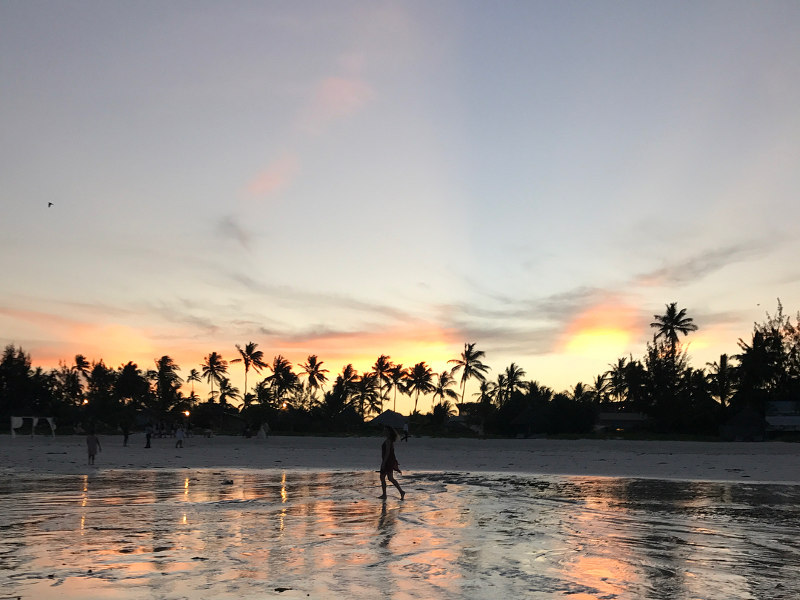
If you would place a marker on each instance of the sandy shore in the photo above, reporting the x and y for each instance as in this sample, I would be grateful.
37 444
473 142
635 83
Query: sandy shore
710 461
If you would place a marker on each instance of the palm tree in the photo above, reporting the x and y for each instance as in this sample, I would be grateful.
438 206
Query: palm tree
367 394
514 382
500 389
470 366
82 365
486 392
419 381
397 375
194 376
599 388
214 369
722 380
227 392
167 382
250 357
316 374
283 378
617 380
580 393
82 369
382 370
441 389
671 323
344 386
441 412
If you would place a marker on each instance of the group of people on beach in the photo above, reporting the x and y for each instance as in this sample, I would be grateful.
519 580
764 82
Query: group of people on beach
389 462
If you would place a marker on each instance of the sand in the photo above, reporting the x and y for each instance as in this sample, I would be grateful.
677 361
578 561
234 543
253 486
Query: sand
299 517
694 461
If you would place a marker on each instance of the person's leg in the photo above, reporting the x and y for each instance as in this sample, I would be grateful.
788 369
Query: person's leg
383 485
397 485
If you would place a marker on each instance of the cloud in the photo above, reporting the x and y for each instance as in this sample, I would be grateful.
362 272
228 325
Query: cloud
308 301
228 228
702 264
335 98
276 177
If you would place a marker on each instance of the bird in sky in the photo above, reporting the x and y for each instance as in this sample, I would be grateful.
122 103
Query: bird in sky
49 204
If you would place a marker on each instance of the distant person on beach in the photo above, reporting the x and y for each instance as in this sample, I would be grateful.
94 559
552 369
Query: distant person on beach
126 432
405 432
179 435
389 462
92 446
148 433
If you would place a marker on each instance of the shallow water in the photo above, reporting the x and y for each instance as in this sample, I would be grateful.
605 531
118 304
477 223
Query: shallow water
198 534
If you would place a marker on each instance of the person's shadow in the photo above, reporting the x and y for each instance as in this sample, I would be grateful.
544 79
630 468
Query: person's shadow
387 524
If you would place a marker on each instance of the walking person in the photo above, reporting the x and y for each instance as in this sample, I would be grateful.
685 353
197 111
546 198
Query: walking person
92 446
179 435
389 462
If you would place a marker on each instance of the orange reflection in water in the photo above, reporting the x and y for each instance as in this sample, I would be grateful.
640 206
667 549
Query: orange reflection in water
598 525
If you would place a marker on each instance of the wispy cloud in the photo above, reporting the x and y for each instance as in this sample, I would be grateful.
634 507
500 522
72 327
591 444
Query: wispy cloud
305 300
276 176
703 264
334 98
229 228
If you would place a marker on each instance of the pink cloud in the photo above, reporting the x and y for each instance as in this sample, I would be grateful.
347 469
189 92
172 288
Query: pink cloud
335 98
275 177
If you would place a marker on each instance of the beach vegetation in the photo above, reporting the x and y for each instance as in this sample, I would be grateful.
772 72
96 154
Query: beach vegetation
658 394
214 368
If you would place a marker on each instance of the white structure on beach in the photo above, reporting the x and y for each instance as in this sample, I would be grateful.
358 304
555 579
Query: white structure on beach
17 422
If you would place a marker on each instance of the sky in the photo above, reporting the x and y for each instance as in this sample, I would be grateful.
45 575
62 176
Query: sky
351 179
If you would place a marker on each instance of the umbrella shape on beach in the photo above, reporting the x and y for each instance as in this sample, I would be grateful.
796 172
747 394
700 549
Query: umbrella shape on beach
390 418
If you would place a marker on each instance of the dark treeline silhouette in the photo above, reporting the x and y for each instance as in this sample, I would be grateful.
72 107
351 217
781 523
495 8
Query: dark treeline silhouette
670 395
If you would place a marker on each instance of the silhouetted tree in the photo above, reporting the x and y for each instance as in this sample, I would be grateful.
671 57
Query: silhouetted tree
167 384
397 375
214 368
283 378
131 387
366 395
722 380
599 389
227 393
670 324
316 374
469 365
382 370
15 384
101 403
441 413
514 379
192 378
617 385
250 356
419 380
441 389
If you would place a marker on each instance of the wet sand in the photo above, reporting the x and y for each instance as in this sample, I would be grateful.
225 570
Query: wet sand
299 517
169 534
695 461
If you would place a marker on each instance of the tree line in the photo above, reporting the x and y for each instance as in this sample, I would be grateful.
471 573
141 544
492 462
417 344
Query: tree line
676 397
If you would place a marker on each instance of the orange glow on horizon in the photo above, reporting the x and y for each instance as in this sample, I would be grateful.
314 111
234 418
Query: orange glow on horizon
601 331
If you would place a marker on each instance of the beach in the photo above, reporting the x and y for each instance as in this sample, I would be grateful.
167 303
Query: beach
300 517
694 461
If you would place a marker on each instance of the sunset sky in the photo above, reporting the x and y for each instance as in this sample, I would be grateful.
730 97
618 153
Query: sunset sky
349 179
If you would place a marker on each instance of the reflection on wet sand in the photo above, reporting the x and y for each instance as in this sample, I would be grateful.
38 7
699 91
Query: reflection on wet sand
245 534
